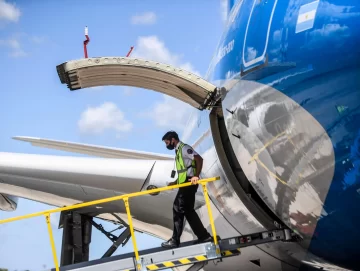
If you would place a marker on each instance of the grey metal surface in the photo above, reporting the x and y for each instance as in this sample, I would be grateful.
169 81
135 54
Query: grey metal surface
284 152
118 265
147 257
254 239
117 258
232 208
164 78
211 251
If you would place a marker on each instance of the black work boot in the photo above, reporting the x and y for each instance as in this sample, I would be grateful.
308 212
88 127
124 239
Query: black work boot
171 243
209 238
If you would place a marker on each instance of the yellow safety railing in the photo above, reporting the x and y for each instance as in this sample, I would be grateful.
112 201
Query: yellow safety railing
125 198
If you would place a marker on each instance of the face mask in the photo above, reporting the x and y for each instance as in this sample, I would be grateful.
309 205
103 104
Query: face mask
171 146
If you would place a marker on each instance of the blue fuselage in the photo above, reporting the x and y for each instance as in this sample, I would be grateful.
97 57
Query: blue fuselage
291 70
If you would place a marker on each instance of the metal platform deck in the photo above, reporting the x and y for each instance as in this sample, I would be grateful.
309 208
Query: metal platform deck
188 253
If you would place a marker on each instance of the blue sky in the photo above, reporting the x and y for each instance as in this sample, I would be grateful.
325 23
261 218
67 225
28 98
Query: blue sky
36 36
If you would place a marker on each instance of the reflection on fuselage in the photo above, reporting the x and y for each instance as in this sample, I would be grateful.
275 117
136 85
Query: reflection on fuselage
281 148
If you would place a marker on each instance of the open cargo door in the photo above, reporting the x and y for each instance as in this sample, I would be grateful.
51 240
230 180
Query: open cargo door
135 72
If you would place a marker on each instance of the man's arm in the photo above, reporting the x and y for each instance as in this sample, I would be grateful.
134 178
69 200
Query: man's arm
190 153
199 163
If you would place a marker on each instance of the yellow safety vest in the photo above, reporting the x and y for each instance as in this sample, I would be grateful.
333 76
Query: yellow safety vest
180 166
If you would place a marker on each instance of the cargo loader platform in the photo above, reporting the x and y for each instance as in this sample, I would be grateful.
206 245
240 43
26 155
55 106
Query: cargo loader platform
195 255
186 254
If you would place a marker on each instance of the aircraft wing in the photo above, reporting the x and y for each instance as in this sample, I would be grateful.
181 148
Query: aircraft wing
66 180
93 150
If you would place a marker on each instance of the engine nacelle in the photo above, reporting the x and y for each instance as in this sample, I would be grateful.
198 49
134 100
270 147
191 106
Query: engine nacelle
8 203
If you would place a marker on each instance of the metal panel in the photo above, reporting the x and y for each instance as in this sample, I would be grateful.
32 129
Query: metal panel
284 152
164 78
119 265
183 255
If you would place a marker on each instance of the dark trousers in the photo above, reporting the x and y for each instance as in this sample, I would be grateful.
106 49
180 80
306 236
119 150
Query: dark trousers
184 208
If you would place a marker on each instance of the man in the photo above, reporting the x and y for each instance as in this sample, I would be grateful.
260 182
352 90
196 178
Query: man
188 165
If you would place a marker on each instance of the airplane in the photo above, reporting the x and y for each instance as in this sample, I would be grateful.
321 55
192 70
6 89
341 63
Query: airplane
281 133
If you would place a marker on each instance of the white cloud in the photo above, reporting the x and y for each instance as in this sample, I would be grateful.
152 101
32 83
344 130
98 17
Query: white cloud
38 39
277 35
338 12
152 48
54 220
128 91
333 34
96 88
8 12
144 18
250 54
15 47
15 41
330 29
169 112
291 13
95 120
190 126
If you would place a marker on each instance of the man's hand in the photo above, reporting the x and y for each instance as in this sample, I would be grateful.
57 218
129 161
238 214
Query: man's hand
194 180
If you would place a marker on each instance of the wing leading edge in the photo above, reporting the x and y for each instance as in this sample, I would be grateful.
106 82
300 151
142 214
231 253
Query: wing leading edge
93 150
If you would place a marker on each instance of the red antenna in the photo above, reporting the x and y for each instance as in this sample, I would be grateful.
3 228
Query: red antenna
131 48
86 41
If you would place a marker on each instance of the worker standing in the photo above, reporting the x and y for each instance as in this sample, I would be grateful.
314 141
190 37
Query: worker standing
188 165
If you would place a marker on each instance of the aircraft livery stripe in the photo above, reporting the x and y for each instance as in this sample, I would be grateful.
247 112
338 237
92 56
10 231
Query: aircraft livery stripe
189 260
198 258
230 252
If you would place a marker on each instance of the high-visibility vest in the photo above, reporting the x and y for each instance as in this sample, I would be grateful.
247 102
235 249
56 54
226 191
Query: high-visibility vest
180 166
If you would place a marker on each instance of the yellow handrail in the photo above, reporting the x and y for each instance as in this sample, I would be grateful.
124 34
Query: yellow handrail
125 198
52 243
